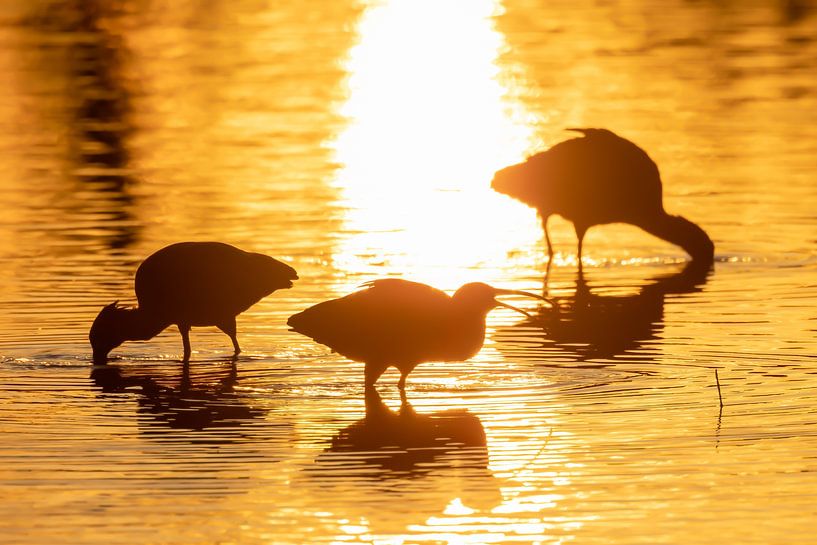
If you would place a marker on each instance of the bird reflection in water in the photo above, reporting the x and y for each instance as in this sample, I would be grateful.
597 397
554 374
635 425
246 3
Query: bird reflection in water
590 326
189 406
396 468
408 442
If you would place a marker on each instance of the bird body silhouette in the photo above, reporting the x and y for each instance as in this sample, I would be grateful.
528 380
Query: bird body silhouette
399 323
596 179
190 284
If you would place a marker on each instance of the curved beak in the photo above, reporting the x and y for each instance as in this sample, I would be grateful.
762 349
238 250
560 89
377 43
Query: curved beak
520 292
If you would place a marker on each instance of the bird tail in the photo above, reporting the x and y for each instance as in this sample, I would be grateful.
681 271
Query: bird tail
304 322
277 274
295 321
520 181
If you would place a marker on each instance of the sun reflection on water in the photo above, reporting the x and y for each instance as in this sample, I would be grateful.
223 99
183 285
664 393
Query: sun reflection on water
428 126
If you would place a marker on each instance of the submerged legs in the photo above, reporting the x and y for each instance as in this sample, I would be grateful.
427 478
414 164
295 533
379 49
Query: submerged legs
580 232
550 253
547 238
374 371
185 331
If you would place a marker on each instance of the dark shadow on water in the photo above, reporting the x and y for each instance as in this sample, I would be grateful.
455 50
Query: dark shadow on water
405 442
400 467
98 120
397 468
207 437
586 326
185 406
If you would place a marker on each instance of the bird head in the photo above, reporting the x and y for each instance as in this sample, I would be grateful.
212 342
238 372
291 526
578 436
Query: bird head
107 331
482 297
692 238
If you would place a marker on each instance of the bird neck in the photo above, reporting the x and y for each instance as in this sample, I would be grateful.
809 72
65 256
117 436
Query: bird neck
470 330
138 325
682 232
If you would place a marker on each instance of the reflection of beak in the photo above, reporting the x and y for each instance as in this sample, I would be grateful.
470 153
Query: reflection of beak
520 292
506 305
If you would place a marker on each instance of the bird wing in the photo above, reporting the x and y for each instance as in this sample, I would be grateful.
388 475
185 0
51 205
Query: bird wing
390 321
397 287
202 283
597 178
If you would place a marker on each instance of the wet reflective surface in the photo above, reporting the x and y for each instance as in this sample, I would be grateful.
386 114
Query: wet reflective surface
358 141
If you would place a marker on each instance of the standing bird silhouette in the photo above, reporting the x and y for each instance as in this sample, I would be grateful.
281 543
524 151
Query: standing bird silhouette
596 179
190 284
398 323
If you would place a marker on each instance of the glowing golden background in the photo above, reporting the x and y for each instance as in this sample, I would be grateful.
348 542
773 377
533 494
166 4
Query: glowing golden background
357 140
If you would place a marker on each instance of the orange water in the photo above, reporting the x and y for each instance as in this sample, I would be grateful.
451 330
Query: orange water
356 141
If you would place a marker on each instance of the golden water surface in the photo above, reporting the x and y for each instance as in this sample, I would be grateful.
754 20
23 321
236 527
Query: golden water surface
357 140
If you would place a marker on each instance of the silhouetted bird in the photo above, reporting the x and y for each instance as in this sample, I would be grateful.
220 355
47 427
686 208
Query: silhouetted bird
600 178
190 284
402 324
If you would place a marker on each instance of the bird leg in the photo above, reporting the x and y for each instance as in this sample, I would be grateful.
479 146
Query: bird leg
406 409
550 252
402 382
229 328
580 232
547 278
185 331
547 238
372 372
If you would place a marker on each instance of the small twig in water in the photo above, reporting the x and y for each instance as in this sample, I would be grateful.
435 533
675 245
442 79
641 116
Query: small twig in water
718 382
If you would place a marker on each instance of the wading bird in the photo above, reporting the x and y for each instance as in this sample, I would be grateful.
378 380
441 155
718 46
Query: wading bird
398 323
190 284
596 179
